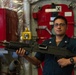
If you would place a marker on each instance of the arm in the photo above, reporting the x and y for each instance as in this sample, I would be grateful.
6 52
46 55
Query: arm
64 61
33 60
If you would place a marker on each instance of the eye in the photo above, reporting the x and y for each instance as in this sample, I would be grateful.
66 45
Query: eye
62 24
56 24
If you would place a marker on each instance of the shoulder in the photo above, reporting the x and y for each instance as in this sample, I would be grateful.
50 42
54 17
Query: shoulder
70 40
72 45
73 41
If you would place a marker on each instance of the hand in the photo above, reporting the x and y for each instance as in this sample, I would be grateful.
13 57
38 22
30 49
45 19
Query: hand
63 62
21 52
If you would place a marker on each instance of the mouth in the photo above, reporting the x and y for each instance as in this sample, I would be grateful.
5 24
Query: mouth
58 30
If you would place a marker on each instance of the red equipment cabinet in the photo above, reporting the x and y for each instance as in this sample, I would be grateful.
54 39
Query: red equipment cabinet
44 18
2 25
8 25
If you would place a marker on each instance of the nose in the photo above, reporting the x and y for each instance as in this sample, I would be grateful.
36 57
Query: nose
59 26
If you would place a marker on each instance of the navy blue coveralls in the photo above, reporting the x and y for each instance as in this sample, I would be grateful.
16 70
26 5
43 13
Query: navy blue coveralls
51 67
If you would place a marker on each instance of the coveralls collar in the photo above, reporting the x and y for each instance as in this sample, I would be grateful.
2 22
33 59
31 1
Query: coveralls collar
64 41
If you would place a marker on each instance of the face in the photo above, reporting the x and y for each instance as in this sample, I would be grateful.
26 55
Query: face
60 27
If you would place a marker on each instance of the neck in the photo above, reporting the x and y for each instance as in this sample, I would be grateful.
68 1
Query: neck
59 38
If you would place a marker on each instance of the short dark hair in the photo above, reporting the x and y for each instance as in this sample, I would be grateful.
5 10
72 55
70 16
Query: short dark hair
61 17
